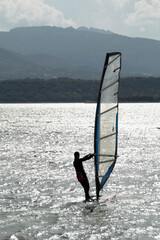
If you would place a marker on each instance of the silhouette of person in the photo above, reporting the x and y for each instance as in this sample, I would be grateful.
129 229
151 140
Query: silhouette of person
81 175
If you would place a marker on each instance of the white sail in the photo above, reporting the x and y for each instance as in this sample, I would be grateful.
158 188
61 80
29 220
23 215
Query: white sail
106 123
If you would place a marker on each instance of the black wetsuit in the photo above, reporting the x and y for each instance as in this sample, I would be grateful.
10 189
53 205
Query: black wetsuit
81 175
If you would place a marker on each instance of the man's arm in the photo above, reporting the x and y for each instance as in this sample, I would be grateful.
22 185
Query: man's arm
87 157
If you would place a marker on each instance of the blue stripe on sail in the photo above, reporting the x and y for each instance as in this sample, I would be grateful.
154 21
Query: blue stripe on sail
104 179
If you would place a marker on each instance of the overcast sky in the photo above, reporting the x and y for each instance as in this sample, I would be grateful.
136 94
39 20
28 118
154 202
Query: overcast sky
133 18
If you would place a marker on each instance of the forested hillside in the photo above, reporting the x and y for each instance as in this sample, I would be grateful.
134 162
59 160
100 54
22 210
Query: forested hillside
74 90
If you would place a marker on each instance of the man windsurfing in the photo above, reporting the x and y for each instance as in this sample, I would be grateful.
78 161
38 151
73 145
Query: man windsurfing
81 175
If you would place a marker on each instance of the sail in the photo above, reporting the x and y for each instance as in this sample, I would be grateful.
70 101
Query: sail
106 122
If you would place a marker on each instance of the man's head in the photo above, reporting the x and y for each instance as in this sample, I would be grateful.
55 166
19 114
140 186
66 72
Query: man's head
76 154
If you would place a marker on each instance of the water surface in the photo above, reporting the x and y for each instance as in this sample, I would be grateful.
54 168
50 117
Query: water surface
40 197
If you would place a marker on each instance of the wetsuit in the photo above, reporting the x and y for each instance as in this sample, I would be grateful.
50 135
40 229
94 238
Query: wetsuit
81 175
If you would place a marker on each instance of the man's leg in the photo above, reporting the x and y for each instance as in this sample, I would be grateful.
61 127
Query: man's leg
85 185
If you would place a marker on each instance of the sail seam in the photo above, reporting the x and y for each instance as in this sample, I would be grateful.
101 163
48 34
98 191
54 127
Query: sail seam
109 85
108 110
106 155
107 136
103 176
112 160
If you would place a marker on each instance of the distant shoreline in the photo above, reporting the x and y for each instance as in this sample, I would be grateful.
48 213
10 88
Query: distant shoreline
66 90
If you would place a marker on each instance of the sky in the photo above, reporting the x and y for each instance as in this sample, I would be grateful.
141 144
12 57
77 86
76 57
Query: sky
133 18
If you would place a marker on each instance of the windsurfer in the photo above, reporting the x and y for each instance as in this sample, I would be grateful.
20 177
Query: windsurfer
81 175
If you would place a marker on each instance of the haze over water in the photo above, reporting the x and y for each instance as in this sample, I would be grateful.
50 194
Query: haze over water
40 197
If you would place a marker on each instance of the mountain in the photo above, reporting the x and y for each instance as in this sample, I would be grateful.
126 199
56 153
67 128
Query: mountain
15 66
47 52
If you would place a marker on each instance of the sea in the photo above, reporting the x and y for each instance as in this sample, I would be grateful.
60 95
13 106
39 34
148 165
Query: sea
40 197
